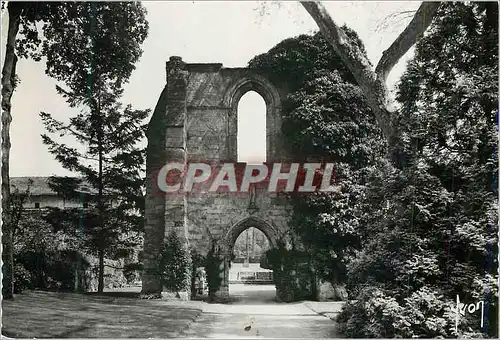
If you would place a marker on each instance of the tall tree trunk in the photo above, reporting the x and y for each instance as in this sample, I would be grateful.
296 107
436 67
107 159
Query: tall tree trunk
100 287
8 83
96 108
100 204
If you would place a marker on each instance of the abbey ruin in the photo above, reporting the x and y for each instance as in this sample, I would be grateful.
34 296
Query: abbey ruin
195 119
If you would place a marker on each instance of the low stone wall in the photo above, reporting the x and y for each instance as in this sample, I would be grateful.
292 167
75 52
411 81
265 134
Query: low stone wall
251 273
250 276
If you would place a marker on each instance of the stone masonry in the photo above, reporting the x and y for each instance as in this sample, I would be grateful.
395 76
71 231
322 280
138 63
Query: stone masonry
195 119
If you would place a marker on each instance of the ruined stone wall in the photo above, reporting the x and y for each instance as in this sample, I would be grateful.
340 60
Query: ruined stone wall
196 120
212 98
212 218
220 218
213 93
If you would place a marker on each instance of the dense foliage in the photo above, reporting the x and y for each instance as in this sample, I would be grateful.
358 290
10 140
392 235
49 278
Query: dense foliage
214 269
295 61
72 35
88 47
433 225
292 273
93 56
407 240
325 118
44 258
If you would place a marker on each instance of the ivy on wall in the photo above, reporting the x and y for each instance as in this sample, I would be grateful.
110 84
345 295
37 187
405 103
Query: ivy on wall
213 267
293 273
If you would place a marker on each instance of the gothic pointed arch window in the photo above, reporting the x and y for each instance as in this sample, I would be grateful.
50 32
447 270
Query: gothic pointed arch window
251 137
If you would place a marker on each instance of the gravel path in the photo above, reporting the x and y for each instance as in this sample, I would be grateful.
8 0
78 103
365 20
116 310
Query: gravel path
253 313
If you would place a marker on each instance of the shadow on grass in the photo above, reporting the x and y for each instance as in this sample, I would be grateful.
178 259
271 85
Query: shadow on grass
115 314
211 299
131 295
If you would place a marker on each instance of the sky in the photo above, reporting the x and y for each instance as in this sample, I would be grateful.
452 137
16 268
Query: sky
227 32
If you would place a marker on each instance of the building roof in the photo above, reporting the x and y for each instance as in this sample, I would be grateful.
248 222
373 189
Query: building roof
40 185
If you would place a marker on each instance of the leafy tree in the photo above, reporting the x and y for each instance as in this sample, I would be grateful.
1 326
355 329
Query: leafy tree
325 118
175 265
68 28
433 223
332 121
93 58
373 81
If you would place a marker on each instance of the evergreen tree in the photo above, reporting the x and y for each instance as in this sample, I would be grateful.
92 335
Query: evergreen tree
112 166
93 60
69 33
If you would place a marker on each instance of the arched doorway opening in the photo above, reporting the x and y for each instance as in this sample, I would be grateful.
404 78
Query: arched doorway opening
251 129
248 278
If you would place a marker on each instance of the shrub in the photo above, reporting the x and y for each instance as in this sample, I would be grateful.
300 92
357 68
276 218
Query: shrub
55 269
131 270
175 265
22 279
425 313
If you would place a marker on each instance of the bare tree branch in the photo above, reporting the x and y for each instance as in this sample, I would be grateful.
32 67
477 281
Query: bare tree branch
394 19
373 83
415 29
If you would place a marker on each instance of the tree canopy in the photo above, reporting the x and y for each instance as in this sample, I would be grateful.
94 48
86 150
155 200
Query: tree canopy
91 48
325 118
432 225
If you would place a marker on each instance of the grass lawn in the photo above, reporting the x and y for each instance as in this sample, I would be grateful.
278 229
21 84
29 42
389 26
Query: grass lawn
67 315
